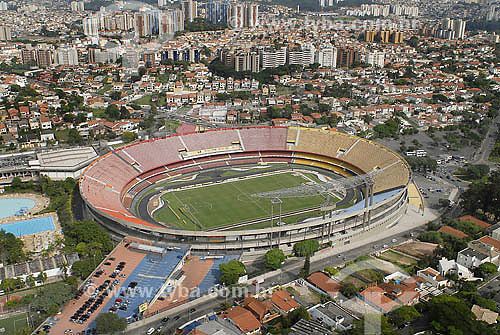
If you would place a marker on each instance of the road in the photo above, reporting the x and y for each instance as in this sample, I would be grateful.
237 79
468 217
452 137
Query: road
290 272
487 144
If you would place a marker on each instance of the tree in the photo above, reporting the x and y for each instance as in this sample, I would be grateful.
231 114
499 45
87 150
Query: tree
331 270
402 315
307 267
306 248
300 313
110 323
231 272
450 315
52 298
431 237
274 258
11 248
485 269
124 113
348 290
74 137
129 136
112 112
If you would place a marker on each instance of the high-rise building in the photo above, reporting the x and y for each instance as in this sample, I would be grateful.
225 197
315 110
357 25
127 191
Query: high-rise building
301 56
346 57
451 29
3 5
237 15
147 23
375 58
91 25
5 33
252 15
44 57
326 56
270 57
459 28
162 3
217 12
41 56
190 9
171 21
66 56
77 6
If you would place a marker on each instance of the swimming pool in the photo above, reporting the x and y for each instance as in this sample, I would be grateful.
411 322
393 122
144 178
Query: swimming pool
10 206
28 227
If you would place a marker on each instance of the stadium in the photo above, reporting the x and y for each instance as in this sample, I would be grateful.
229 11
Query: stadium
247 189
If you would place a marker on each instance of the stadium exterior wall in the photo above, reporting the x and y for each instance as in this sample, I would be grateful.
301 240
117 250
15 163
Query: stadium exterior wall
338 229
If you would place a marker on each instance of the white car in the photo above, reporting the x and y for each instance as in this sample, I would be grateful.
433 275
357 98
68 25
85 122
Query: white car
151 331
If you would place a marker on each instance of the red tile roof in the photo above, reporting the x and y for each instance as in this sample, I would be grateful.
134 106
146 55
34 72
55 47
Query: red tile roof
284 301
325 283
452 231
470 218
490 241
243 319
376 296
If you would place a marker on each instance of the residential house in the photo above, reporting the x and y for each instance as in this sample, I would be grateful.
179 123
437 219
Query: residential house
243 319
433 277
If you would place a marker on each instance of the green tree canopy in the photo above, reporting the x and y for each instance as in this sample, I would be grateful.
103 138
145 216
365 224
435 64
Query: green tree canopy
348 290
306 248
274 258
129 136
231 272
11 248
402 315
110 323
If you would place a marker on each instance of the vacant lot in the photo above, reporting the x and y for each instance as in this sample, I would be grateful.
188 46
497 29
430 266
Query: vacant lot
392 256
417 249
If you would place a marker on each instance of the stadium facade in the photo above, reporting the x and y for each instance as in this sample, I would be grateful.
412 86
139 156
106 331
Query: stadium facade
111 183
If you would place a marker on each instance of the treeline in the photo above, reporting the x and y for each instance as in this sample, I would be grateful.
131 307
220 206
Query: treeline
265 76
87 238
200 24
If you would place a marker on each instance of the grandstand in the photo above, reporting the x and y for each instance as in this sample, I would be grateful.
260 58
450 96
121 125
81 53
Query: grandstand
110 197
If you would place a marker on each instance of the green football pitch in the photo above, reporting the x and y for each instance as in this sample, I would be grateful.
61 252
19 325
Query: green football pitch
13 323
224 204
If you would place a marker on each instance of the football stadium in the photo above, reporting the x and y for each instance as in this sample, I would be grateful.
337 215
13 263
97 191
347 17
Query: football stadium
247 189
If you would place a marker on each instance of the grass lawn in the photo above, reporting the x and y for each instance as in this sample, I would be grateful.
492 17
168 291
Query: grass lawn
106 88
228 203
145 100
14 323
392 256
62 135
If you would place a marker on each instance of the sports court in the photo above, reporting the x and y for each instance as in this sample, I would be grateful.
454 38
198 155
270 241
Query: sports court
13 323
212 205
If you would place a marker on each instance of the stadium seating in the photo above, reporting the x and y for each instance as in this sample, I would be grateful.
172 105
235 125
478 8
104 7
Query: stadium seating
324 142
392 177
277 160
210 139
244 161
255 139
362 156
115 172
244 154
213 165
155 153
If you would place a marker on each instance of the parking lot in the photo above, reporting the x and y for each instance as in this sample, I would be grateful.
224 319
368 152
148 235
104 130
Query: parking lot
97 292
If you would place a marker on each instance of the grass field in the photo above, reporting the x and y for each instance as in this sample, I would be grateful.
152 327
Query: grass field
229 203
13 323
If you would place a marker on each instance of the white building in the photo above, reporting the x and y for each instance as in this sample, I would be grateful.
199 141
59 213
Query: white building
375 58
270 58
3 5
326 56
77 6
446 266
91 25
66 56
5 33
303 56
